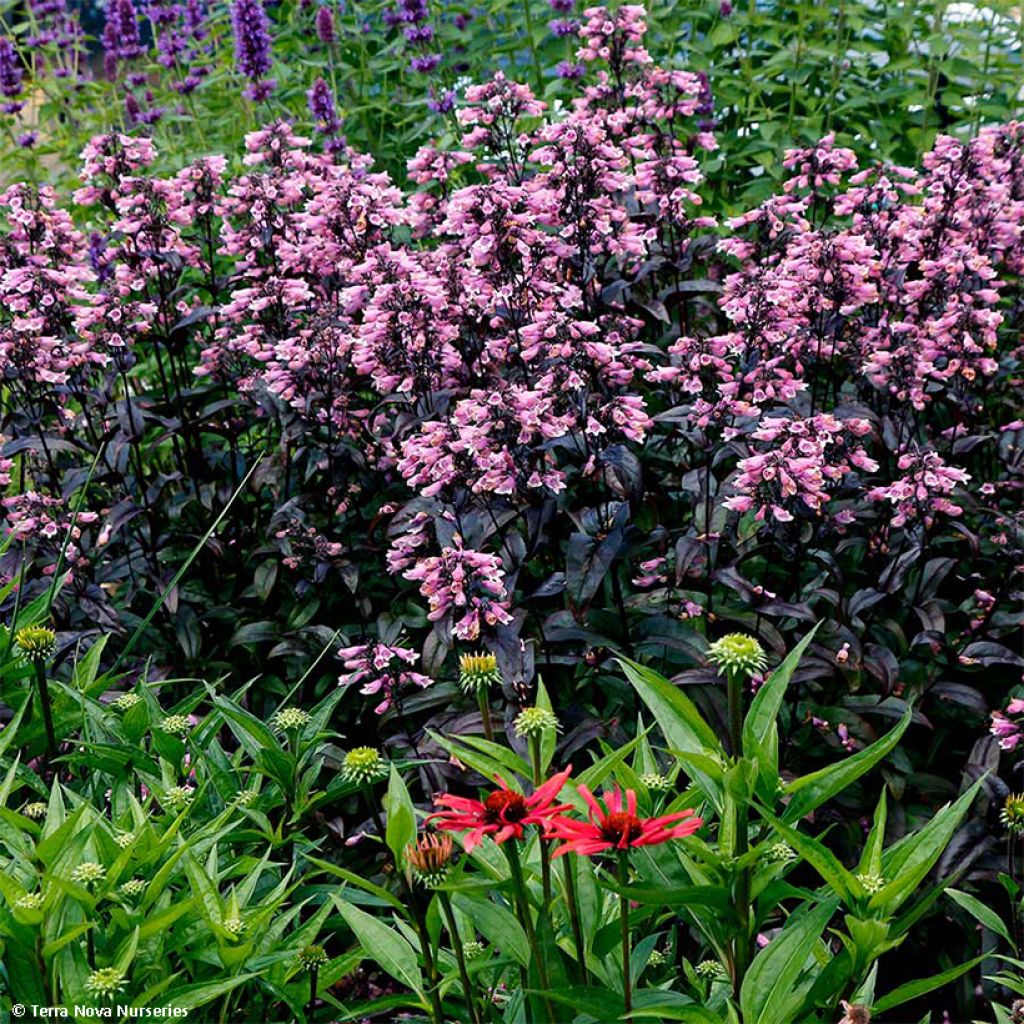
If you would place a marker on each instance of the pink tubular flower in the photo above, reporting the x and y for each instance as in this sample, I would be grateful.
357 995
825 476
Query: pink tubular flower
466 583
922 491
617 827
379 667
503 814
1007 731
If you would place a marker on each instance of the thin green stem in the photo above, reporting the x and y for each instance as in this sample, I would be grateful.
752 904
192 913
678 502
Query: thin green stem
460 956
574 920
484 699
735 699
437 1014
311 1009
545 853
538 76
741 949
519 883
43 689
627 979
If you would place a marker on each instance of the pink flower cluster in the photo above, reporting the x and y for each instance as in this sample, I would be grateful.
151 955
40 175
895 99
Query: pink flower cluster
1009 731
803 461
464 587
381 669
488 379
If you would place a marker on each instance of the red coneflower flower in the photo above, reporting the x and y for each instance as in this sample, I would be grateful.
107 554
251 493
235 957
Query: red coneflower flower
614 827
502 815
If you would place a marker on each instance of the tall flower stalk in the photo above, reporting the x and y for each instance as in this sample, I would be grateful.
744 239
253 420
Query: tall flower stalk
616 828
37 645
739 656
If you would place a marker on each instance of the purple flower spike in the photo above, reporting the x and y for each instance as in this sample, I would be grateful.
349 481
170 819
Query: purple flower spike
325 26
10 76
120 34
252 46
321 106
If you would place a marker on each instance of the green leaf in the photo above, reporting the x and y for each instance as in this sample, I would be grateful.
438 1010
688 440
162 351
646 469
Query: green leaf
770 993
909 861
871 859
498 925
821 858
400 830
760 724
811 791
913 989
189 997
384 946
680 721
549 737
981 912
255 736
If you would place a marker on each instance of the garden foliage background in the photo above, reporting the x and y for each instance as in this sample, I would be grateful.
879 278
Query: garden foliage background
342 341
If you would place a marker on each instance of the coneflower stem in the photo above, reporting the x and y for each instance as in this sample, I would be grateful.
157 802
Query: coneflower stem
741 949
735 698
311 1010
627 979
483 697
574 921
417 915
460 956
516 869
545 855
44 702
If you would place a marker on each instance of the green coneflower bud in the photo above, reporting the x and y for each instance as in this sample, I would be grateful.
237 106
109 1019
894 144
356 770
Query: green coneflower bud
712 970
179 796
234 926
89 872
477 672
107 981
655 781
780 852
125 839
737 653
311 956
289 718
133 887
36 643
1012 814
34 810
657 958
30 901
531 722
127 701
363 765
430 858
176 725
871 883
473 950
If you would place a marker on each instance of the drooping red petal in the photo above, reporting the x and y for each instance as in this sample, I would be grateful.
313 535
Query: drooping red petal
547 792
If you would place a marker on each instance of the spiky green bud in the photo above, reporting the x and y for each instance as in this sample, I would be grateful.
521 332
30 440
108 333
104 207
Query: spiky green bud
363 765
36 643
534 722
738 653
88 873
477 672
107 981
312 956
289 718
